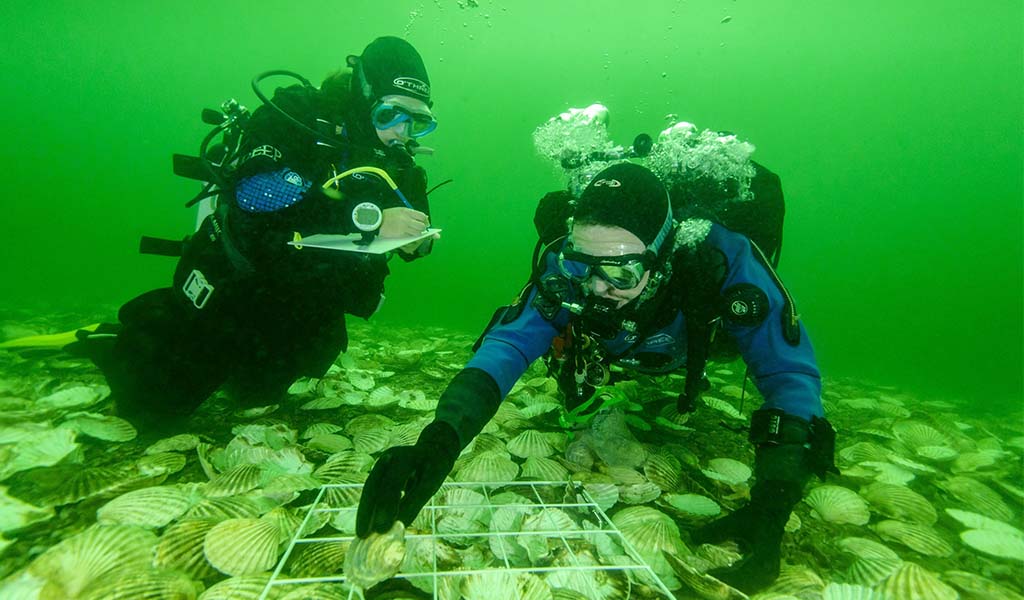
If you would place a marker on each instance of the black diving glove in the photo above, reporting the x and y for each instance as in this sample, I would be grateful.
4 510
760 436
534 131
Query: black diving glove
789 451
757 528
405 478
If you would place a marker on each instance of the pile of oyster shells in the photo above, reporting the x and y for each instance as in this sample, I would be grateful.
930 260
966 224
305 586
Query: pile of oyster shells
928 505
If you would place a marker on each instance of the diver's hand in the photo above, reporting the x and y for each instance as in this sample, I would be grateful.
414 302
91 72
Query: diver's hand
412 247
401 222
405 478
757 528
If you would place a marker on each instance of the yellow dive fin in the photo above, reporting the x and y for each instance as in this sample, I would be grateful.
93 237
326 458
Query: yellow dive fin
53 341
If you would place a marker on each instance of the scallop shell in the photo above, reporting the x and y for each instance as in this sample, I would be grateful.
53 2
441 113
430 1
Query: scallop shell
605 495
227 508
1000 544
911 464
693 505
371 442
976 586
530 443
66 484
488 467
727 470
663 470
543 469
702 584
649 531
177 443
323 403
625 475
722 406
798 581
151 507
45 449
487 442
639 493
318 559
162 463
82 559
236 480
973 520
836 504
859 404
567 584
78 396
915 583
375 558
505 585
886 472
344 463
316 591
101 427
329 442
978 497
416 400
242 546
466 502
873 562
181 548
846 591
15 514
361 380
382 396
900 502
864 451
319 428
915 434
936 453
920 538
247 587
975 461
148 583
406 434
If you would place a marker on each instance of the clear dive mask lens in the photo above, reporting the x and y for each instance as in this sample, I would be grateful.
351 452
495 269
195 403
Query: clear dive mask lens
386 116
620 272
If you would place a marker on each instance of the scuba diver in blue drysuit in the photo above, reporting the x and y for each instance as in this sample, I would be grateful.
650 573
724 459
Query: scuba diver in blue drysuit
247 311
633 287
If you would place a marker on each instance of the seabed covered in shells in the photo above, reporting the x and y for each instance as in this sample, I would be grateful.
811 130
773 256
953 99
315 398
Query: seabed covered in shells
928 505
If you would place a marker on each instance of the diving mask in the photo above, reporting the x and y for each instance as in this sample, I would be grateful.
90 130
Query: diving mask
385 116
621 272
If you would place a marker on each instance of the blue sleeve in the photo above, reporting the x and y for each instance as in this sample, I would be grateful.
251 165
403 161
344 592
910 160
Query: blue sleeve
786 375
508 349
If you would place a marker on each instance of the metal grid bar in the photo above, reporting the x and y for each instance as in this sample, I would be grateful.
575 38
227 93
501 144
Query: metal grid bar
587 508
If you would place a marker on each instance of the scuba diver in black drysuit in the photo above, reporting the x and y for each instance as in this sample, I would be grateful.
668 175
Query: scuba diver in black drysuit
641 288
247 311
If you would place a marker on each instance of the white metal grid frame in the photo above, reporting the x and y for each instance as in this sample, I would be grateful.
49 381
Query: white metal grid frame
588 509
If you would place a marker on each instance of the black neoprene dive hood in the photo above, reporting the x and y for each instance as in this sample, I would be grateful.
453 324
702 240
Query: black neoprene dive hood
390 66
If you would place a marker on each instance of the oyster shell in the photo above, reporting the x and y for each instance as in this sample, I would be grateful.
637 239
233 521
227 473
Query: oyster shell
375 558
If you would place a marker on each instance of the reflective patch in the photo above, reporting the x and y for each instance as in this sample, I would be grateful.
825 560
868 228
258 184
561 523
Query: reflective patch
269 192
744 304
